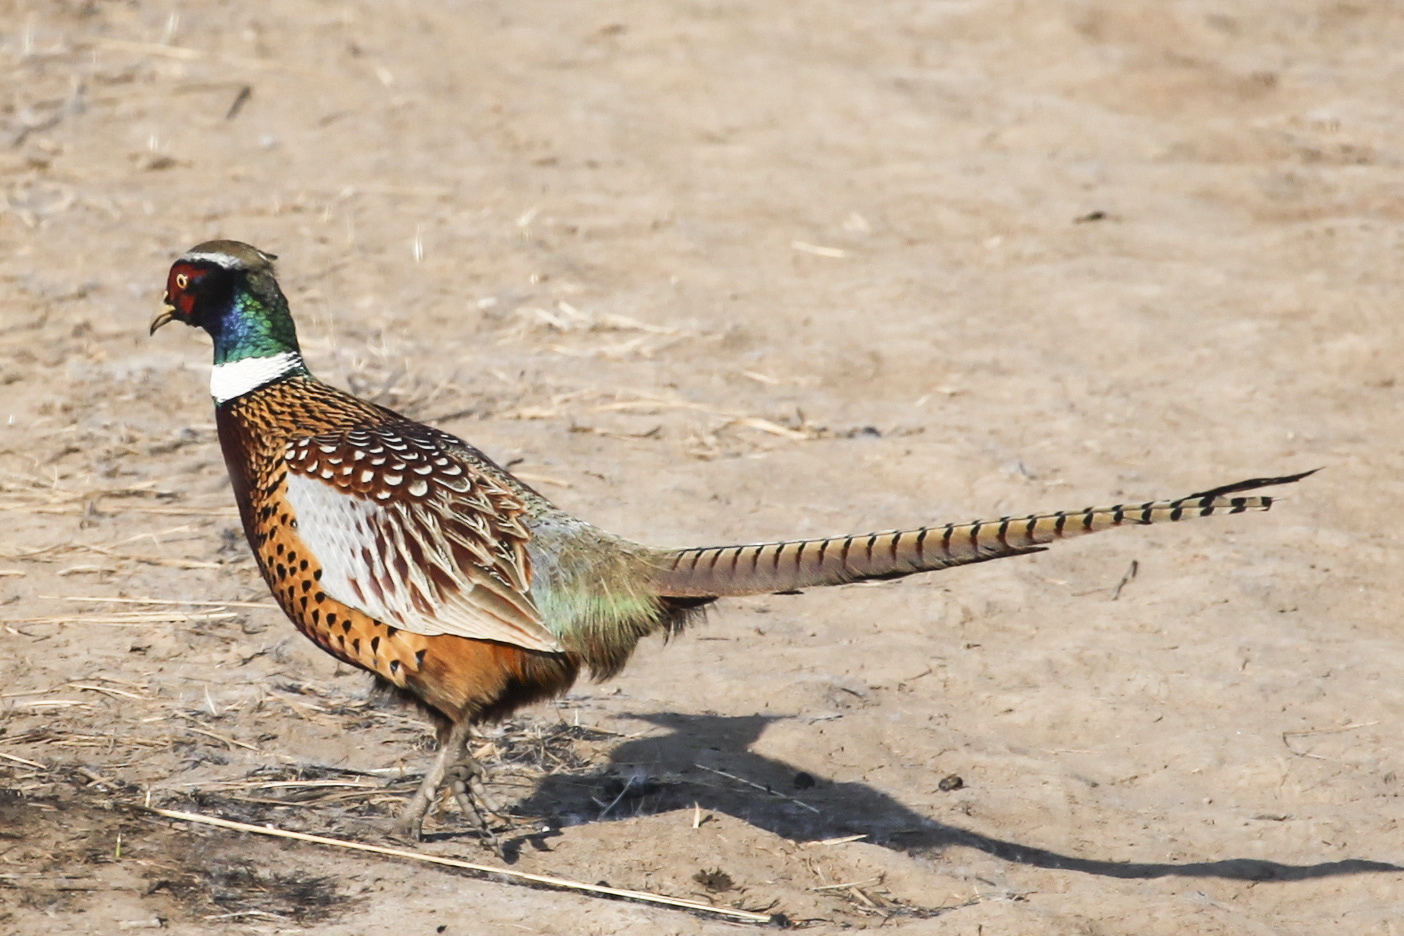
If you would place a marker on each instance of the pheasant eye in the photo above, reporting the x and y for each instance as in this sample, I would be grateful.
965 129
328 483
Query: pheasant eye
182 281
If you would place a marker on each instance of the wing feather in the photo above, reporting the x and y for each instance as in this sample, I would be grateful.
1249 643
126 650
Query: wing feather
417 536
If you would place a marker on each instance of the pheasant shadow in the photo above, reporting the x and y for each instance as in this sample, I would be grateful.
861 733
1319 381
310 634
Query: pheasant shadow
662 773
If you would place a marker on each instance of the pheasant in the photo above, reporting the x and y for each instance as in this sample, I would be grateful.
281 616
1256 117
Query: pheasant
403 550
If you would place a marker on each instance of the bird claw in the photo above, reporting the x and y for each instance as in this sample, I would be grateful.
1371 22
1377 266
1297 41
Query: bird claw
465 782
459 772
472 799
404 829
409 824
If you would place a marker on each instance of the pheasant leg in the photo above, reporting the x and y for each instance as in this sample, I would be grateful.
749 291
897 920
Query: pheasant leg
456 768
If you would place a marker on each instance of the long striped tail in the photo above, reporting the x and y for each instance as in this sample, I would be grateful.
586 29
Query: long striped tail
716 571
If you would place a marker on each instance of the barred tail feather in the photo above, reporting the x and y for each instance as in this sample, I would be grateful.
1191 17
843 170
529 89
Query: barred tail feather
759 568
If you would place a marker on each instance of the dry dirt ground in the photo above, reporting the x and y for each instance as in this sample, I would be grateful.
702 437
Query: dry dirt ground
712 271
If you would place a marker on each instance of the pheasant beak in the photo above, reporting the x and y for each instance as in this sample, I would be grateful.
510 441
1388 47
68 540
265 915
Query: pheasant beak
167 316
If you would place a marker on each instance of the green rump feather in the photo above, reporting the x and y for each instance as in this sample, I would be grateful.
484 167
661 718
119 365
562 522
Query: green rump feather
590 591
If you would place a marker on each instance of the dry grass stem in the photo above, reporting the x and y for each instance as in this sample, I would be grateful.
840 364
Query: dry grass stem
168 601
129 618
107 690
181 54
828 887
562 883
758 786
21 760
1306 733
223 739
831 253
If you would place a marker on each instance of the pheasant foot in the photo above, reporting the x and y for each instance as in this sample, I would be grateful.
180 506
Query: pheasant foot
458 770
465 780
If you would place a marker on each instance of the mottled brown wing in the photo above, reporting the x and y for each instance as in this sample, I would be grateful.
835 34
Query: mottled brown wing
413 533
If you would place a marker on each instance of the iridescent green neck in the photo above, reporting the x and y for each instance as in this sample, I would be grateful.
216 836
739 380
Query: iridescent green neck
253 326
255 343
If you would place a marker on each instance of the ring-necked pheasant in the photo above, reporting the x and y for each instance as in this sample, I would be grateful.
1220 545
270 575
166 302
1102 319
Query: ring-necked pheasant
403 550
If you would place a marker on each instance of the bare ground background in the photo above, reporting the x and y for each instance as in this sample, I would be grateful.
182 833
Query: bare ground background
708 272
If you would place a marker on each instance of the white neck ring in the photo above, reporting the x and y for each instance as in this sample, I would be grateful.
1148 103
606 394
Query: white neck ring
236 378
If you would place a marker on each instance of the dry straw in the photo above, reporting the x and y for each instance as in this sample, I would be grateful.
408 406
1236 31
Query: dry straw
678 902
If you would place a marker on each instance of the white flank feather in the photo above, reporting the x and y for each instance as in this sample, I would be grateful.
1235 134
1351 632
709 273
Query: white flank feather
345 533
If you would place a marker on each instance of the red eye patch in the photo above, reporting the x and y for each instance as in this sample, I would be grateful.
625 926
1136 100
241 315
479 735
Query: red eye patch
180 287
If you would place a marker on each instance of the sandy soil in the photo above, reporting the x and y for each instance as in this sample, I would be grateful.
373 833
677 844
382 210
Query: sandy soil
709 272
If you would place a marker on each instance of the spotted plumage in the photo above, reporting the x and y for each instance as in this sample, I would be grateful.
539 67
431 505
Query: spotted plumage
402 550
405 583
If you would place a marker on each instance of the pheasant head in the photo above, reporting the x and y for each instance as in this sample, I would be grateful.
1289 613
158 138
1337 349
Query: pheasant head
228 289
